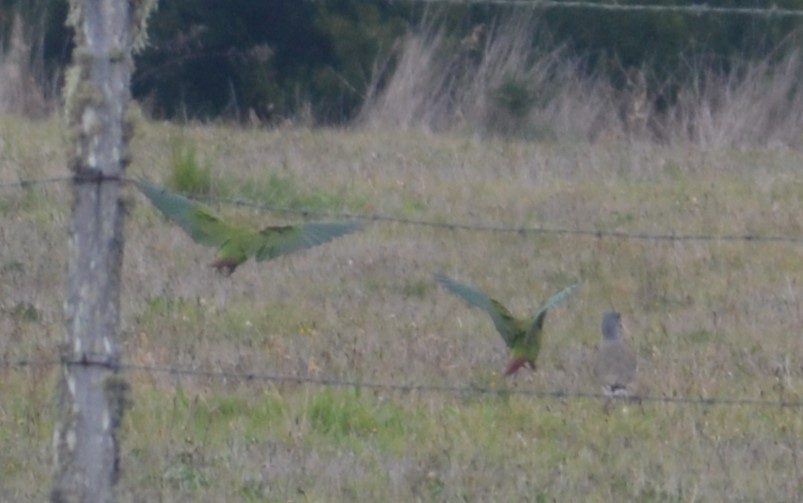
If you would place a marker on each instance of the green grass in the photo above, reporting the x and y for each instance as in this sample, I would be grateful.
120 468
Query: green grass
187 175
707 319
272 186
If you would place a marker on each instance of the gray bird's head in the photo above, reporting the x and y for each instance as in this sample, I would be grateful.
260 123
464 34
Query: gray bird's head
611 326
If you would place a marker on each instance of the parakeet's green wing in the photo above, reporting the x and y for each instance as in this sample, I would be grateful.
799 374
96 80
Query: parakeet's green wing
540 315
504 322
272 242
201 225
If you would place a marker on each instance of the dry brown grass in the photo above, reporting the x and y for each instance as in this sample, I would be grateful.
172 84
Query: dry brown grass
707 319
22 80
508 85
757 102
499 83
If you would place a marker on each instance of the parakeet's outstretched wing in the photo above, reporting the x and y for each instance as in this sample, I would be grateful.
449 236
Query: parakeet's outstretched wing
201 225
274 241
504 322
540 315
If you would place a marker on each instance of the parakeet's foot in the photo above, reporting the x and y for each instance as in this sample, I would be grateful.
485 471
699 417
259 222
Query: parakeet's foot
225 266
517 363
615 390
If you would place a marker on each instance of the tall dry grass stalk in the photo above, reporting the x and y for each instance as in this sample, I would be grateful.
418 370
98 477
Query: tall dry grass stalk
23 83
754 103
505 83
495 81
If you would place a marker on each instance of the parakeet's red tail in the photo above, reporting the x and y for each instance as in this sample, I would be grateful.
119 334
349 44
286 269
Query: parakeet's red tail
224 265
517 363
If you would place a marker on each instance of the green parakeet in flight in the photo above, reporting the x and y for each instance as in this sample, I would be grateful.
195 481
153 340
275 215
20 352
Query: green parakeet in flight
523 337
236 244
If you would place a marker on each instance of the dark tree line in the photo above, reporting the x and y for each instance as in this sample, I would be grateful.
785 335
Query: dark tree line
272 59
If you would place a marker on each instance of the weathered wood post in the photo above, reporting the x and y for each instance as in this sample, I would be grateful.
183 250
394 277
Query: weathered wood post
92 395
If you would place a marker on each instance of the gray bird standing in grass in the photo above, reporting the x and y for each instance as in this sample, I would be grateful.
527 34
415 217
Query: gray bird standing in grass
616 363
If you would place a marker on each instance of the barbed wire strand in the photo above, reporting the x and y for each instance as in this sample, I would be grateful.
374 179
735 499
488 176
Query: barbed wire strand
26 183
406 388
694 9
509 229
452 226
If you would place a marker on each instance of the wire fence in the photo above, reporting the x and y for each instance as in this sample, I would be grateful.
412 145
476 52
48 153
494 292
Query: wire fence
405 388
27 183
693 9
502 390
453 226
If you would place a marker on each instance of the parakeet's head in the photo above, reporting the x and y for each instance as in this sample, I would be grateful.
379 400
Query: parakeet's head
611 326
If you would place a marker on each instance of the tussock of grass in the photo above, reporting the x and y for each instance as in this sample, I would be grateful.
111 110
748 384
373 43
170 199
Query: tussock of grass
187 175
707 319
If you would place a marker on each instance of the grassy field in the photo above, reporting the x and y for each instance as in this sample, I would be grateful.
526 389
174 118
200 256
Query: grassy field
717 319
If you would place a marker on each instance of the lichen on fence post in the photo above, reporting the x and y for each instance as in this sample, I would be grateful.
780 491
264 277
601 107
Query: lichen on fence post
92 394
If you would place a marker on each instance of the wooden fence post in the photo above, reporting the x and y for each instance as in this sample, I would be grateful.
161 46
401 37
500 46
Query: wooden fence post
92 394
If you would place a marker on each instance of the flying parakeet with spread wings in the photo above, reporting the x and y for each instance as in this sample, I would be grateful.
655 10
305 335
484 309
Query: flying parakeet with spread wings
237 244
523 337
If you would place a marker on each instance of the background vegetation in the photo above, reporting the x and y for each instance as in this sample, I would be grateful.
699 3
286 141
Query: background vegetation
321 62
